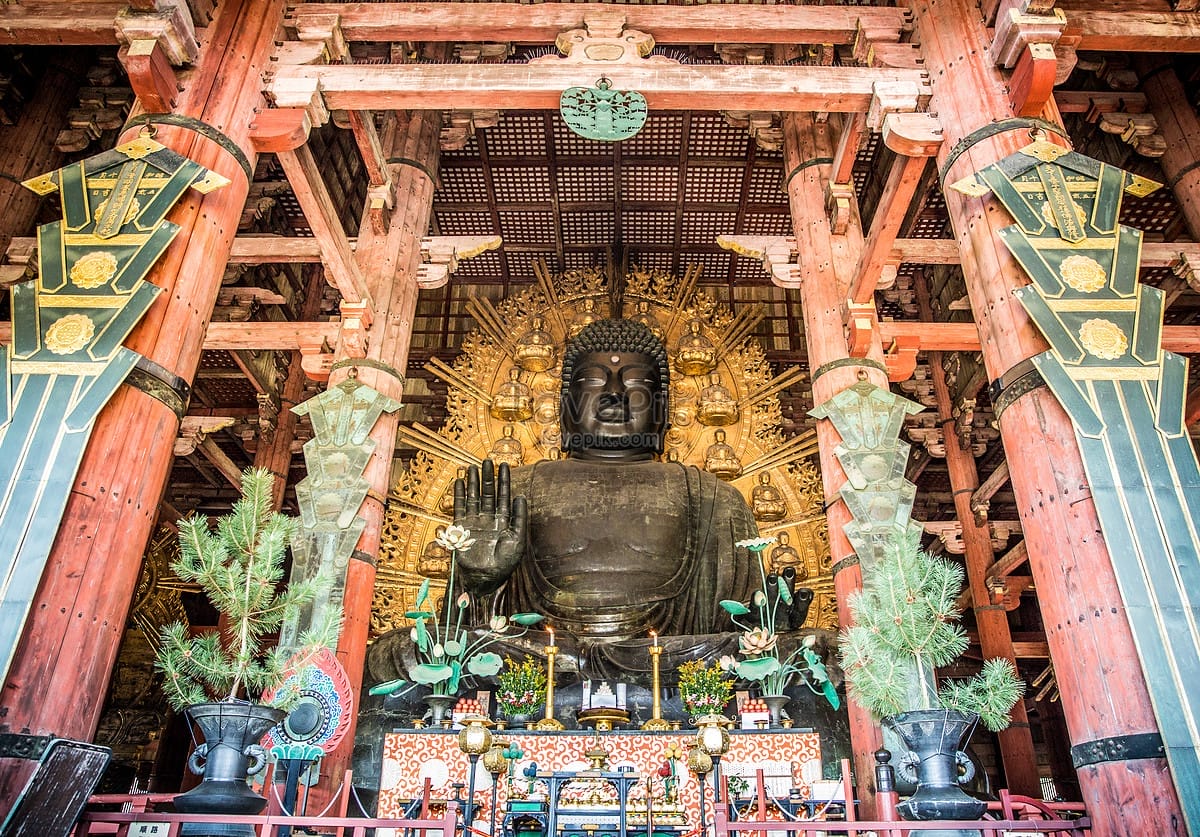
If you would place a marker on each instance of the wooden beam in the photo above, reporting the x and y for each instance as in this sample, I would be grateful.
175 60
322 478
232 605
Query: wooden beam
1134 31
849 141
964 337
64 24
542 22
220 460
539 86
1012 559
279 336
942 337
304 174
893 205
988 488
277 249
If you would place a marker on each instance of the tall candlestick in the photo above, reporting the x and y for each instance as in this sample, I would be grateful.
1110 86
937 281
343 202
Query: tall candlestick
550 722
656 721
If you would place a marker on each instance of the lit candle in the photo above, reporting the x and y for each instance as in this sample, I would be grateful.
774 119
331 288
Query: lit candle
551 630
654 636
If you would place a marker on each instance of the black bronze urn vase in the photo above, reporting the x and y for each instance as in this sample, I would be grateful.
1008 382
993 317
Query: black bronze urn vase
935 739
229 754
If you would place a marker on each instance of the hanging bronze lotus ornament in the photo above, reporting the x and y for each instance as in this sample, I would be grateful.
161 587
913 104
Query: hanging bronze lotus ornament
601 113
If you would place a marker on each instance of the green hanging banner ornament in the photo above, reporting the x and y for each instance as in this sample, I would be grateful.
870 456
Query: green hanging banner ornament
601 113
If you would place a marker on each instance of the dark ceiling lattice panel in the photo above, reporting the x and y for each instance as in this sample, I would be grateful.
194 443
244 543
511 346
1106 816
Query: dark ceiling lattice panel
532 227
765 185
713 184
528 184
767 223
645 184
661 136
517 135
698 227
651 227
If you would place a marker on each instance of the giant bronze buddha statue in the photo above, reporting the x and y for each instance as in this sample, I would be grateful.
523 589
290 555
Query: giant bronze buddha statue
607 542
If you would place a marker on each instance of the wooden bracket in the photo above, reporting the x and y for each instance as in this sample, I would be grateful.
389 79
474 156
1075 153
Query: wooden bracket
302 93
776 252
862 327
316 358
1187 268
193 429
891 97
604 40
151 75
765 127
1032 81
356 320
839 203
441 254
1015 30
280 129
169 25
1007 591
1140 130
325 29
458 126
901 357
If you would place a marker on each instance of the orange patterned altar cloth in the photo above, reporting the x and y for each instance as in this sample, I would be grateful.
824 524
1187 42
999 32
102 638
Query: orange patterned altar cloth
787 759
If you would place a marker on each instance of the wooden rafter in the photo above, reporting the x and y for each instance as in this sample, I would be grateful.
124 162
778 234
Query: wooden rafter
304 173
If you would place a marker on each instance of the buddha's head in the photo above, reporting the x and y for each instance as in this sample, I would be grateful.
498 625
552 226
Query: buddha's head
615 380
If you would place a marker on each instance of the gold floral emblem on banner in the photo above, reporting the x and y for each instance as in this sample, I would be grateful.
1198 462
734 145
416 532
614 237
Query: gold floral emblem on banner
1083 273
94 269
1048 214
1103 339
69 334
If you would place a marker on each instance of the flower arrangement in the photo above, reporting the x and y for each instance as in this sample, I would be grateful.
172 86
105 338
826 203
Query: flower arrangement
522 687
447 651
906 621
704 688
239 567
759 644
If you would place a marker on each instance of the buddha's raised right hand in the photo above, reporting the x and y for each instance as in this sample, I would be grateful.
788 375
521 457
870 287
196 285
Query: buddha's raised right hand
483 503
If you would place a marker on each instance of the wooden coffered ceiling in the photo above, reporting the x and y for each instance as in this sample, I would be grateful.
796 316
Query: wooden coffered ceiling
704 165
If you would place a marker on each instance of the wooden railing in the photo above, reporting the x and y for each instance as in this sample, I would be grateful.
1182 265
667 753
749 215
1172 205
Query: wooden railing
120 823
1016 815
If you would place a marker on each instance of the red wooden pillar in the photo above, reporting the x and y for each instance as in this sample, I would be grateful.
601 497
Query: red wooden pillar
61 670
1103 690
1180 128
827 262
389 261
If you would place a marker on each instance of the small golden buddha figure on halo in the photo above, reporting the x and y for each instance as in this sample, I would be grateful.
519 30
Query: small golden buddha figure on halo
766 502
695 354
535 350
434 561
446 501
645 316
586 315
784 555
508 448
717 407
513 400
720 459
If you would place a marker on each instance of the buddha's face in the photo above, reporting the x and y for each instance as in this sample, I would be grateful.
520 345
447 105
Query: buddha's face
614 407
